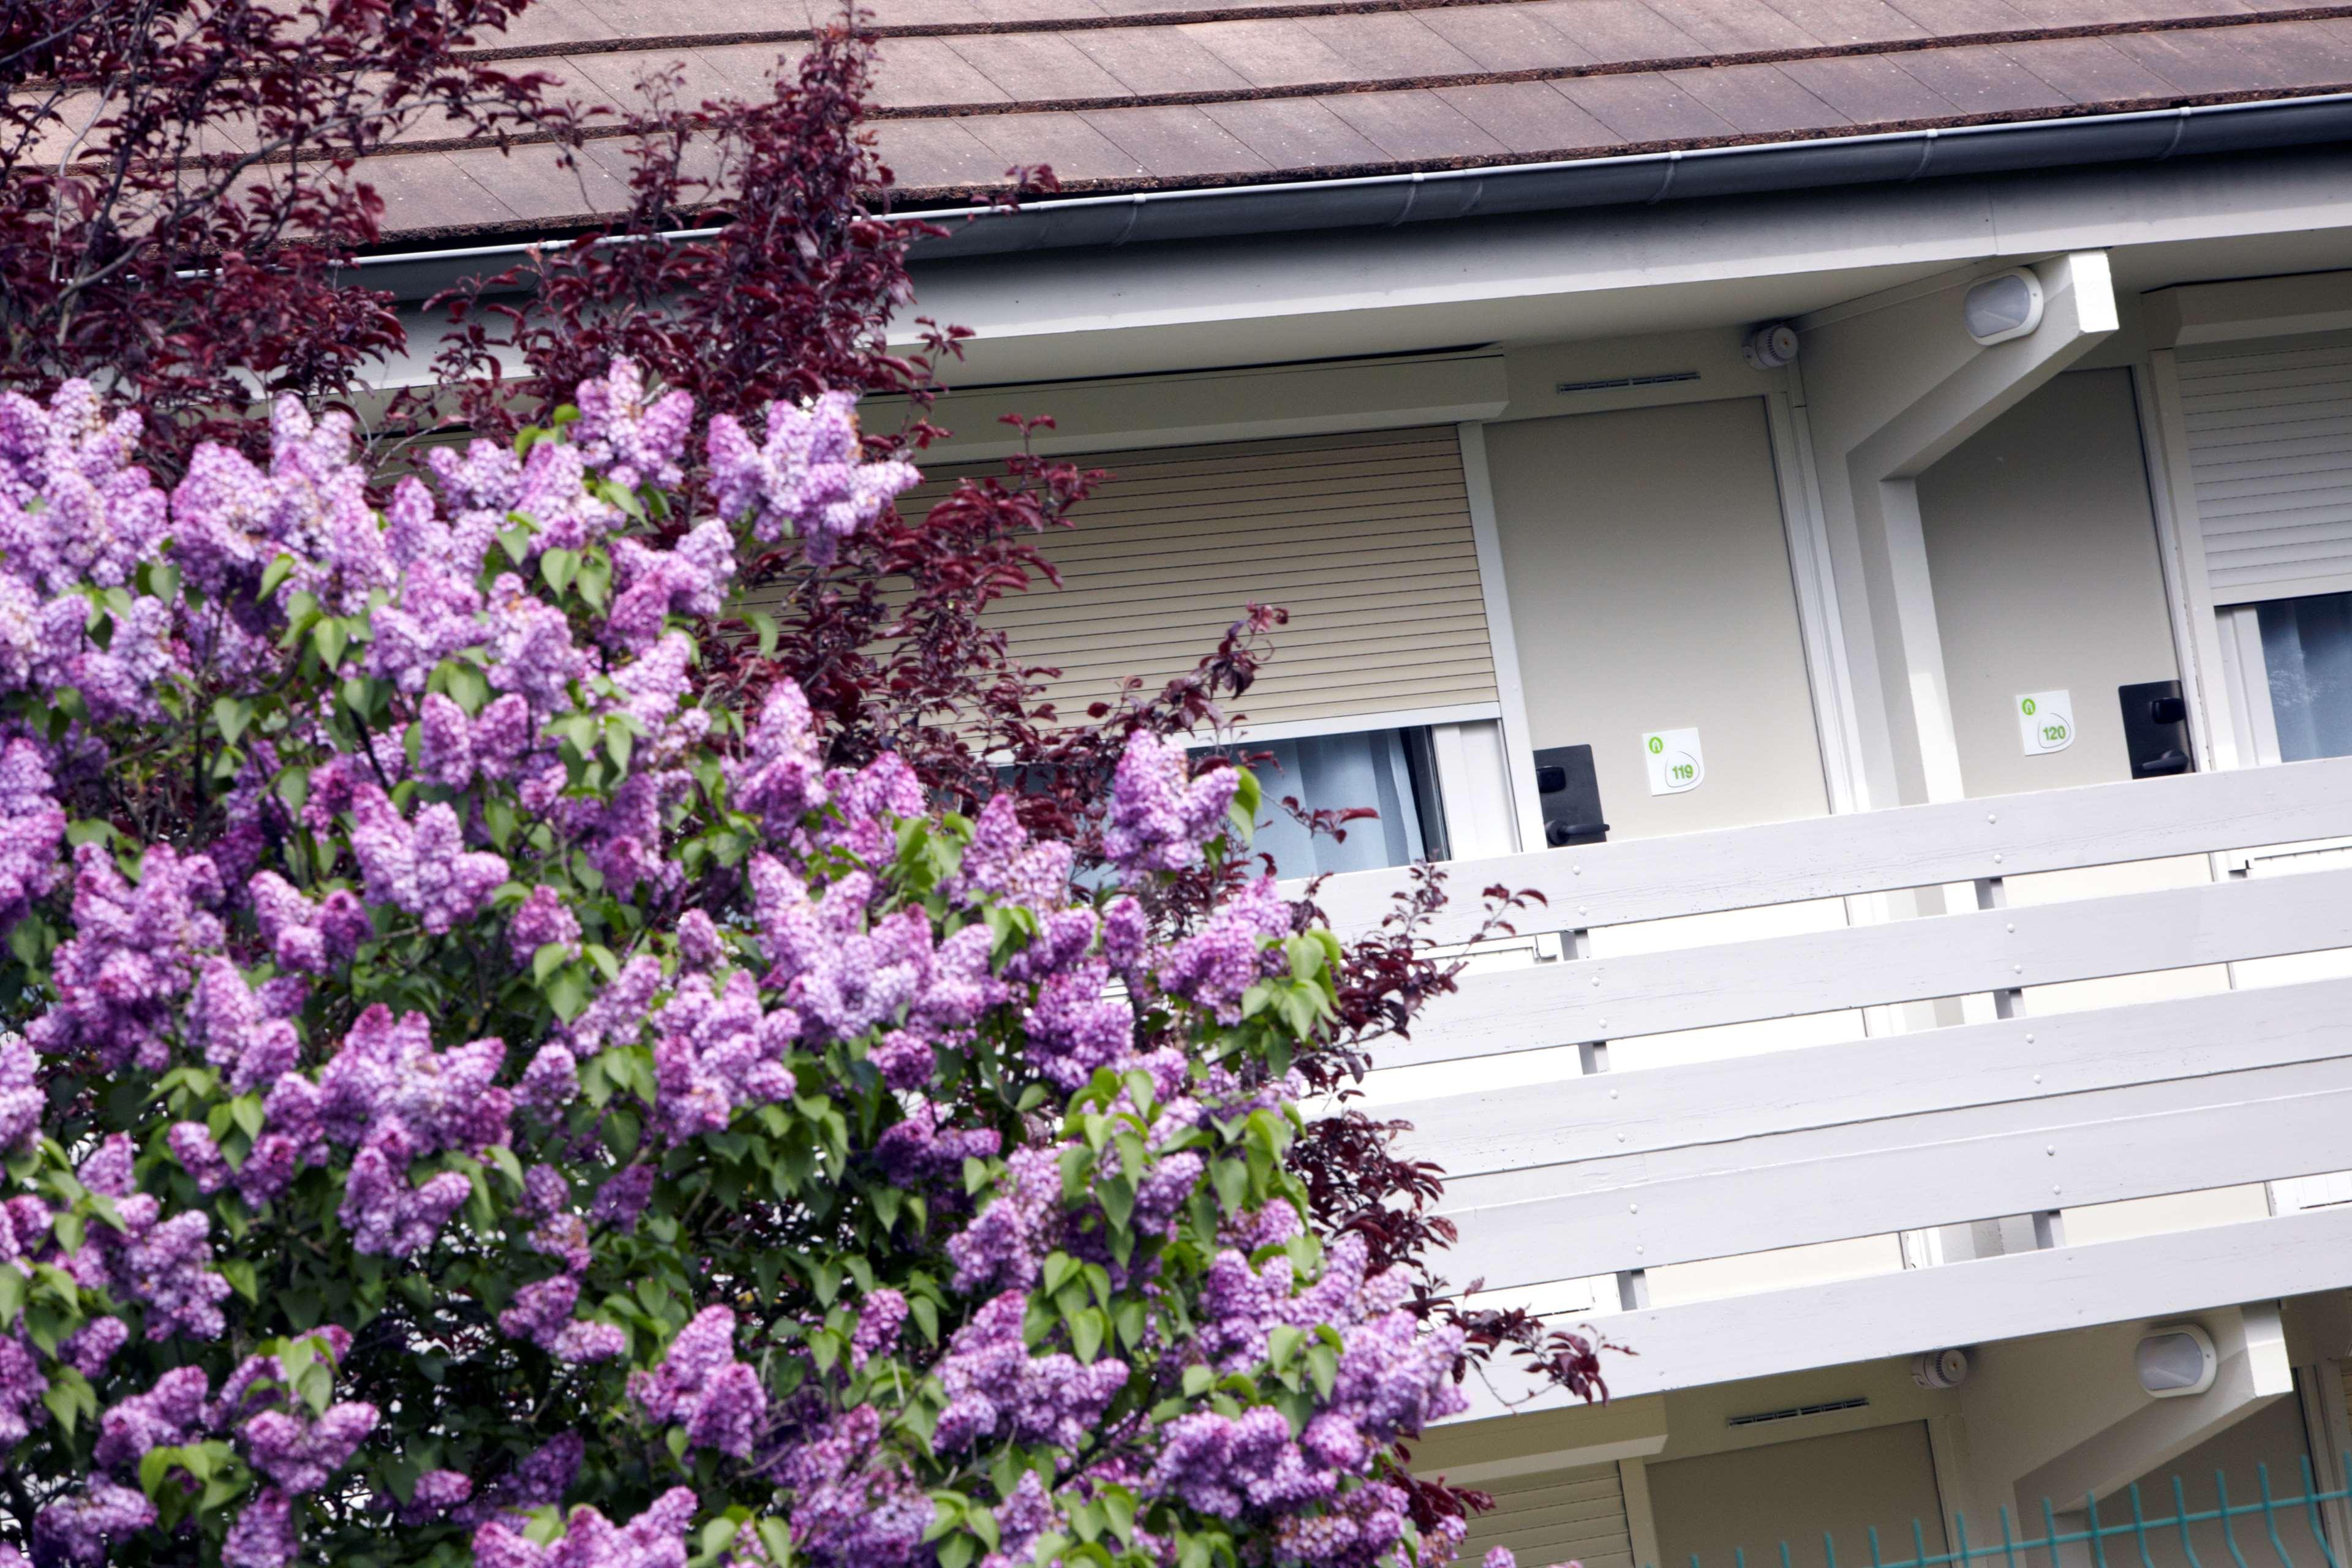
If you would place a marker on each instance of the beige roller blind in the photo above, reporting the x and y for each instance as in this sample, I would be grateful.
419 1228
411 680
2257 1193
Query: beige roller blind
1365 538
2270 452
1555 1516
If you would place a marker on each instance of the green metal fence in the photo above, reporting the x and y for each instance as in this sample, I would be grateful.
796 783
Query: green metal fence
2264 1531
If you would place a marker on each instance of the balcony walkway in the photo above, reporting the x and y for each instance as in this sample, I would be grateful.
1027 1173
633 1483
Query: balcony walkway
1618 1172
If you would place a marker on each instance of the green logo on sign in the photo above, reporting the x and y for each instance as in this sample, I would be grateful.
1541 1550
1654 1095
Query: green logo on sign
1656 745
2028 706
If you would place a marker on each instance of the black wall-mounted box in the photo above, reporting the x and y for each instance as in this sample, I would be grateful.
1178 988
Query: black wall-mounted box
1569 793
2156 729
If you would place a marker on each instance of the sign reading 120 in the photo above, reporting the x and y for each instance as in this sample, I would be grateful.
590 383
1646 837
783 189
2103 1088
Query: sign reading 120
2045 722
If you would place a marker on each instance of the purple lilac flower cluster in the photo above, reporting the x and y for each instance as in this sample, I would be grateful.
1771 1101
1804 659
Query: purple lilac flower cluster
655 1538
702 1384
294 1449
808 477
430 759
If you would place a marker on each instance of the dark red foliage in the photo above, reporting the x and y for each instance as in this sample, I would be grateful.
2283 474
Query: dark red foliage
791 290
179 180
792 294
892 645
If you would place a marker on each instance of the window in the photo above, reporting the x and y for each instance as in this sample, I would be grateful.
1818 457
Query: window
2307 657
1392 771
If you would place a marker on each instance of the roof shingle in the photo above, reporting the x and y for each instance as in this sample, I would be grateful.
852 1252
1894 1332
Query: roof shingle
1156 94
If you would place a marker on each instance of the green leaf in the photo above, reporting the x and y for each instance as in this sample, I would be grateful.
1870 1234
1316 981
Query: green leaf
559 567
230 716
1323 1366
1282 1342
1087 1330
1117 1197
160 580
764 625
329 639
240 1273
596 580
516 540
1231 1179
550 956
567 994
154 1466
317 1386
13 1289
274 575
69 1397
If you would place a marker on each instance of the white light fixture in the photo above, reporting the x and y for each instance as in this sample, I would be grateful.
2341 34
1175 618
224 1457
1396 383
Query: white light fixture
2176 1360
2006 305
1772 345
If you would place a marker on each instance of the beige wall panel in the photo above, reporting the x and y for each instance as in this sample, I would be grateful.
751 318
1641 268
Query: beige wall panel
1648 573
2043 549
1754 1499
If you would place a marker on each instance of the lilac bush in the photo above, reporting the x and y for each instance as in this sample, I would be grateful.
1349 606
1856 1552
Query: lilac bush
480 1092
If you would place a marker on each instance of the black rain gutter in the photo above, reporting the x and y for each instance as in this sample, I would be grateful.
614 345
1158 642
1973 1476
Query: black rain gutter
1387 200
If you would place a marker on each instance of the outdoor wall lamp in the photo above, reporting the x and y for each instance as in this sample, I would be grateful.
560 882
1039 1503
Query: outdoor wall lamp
2006 305
2176 1360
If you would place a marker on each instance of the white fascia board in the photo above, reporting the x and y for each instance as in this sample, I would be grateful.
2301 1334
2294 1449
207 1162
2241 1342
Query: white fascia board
1916 1309
1491 278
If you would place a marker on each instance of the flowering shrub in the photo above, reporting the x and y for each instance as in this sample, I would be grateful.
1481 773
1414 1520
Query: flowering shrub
485 1091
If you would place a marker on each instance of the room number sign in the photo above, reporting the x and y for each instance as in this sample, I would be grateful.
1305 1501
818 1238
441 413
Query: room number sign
1676 763
2045 722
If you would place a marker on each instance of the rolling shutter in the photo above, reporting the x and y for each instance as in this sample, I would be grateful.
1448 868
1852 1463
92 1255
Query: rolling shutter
2270 451
1555 1516
1365 538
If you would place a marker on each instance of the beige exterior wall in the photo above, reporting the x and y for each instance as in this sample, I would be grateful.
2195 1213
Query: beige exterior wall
1752 1500
2272 1438
2043 548
1648 572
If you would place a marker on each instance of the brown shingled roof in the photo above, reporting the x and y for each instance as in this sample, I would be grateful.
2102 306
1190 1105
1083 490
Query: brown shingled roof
1128 95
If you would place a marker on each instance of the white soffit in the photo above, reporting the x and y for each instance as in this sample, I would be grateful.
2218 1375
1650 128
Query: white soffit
1612 272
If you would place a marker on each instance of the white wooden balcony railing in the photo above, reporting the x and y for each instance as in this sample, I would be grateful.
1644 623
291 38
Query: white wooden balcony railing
1622 1171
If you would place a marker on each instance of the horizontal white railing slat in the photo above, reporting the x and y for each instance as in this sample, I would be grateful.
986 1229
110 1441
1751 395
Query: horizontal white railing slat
1525 1228
1848 1321
1619 1113
1877 851
1566 1003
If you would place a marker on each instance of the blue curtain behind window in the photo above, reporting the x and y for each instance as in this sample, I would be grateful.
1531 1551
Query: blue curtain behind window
2308 644
1337 771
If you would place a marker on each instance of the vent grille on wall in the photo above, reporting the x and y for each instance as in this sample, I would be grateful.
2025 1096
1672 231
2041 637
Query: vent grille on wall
1794 1411
2270 451
1556 1516
1364 538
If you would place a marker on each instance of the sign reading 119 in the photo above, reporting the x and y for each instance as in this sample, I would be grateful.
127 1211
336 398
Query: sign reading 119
1676 763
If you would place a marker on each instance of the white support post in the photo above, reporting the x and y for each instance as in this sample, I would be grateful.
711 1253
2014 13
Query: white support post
1592 1056
1892 383
1518 748
2048 1227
